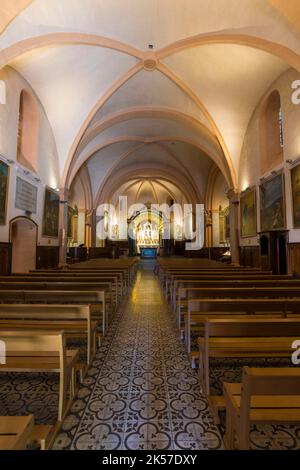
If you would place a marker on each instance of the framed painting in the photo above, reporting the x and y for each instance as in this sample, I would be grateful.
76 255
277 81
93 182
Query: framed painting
51 214
70 222
295 182
248 214
4 182
272 204
227 223
224 225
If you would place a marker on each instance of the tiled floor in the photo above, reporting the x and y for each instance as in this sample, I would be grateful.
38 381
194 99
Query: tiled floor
141 392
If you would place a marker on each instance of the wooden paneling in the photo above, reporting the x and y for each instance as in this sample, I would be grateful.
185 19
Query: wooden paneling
78 253
249 256
5 258
47 257
294 258
214 253
101 252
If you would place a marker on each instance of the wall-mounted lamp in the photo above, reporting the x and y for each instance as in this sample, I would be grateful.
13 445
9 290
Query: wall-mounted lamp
7 160
293 162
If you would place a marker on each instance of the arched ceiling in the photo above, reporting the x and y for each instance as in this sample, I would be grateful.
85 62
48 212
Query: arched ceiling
113 103
149 190
10 9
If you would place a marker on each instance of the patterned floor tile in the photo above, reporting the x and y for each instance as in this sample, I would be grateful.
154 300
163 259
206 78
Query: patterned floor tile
140 392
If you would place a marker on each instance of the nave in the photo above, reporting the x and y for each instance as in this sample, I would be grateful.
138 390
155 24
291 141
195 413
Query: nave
141 392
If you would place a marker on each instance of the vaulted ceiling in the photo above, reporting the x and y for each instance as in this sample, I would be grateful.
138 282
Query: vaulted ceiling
131 85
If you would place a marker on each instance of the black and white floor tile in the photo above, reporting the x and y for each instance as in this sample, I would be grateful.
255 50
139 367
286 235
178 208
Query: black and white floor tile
141 392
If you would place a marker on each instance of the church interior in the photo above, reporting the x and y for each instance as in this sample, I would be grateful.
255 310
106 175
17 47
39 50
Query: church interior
128 130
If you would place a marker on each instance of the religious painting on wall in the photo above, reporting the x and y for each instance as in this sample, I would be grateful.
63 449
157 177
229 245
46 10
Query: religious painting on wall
248 214
51 214
227 223
295 180
224 225
4 177
272 204
72 223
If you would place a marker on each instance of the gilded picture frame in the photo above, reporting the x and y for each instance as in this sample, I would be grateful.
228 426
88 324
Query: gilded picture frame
272 204
4 187
295 194
51 214
248 214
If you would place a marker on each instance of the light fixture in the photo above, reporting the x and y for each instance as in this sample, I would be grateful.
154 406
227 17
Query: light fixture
293 162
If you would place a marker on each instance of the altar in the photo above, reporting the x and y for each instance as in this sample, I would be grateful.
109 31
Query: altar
148 239
148 252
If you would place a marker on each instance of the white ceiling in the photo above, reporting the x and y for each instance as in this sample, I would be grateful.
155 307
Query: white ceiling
216 86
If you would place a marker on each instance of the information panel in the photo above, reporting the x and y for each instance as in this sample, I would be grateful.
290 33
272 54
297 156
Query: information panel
26 196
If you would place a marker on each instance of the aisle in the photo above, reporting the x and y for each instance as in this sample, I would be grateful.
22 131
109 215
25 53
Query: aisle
141 392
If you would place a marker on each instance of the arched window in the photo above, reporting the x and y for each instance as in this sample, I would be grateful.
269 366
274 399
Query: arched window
271 129
27 151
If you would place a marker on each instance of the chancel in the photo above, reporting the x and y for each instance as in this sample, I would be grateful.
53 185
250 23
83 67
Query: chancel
149 226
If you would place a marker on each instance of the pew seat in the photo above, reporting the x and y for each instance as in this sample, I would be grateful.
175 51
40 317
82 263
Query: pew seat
245 338
265 396
42 351
20 433
74 320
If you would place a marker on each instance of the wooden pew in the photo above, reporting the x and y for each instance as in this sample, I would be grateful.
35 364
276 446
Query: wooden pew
171 276
240 293
15 432
64 286
265 396
164 265
94 299
84 273
116 285
18 432
38 351
200 309
245 338
74 320
129 266
165 272
124 273
183 287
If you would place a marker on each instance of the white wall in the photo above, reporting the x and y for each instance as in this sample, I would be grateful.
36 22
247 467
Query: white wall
47 168
249 171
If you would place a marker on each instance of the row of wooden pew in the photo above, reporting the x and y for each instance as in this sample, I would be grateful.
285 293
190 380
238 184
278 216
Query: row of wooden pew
228 312
40 312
